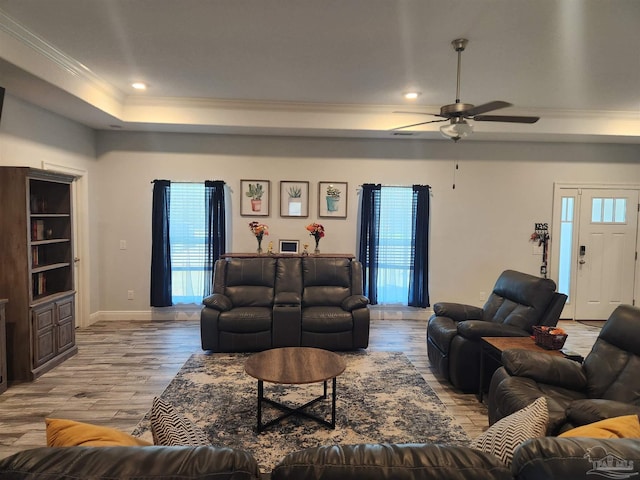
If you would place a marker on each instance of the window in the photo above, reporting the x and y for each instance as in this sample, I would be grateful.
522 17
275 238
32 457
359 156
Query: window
609 210
395 244
187 234
565 245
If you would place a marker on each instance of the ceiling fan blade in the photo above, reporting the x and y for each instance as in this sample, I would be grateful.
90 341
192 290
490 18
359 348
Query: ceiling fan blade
421 123
505 118
487 107
416 113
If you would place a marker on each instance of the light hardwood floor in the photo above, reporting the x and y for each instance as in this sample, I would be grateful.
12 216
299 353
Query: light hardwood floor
122 365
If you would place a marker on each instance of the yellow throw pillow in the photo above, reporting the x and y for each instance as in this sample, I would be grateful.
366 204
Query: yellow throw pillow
69 433
627 426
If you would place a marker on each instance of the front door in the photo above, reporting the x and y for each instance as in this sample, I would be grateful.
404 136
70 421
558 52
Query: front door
606 251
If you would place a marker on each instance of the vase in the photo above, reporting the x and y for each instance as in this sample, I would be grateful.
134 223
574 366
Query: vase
259 245
317 250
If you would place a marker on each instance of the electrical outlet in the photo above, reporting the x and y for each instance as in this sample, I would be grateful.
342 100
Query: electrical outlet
130 295
123 244
483 296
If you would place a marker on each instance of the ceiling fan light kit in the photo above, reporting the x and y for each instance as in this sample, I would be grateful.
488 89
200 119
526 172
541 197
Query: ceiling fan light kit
457 113
457 129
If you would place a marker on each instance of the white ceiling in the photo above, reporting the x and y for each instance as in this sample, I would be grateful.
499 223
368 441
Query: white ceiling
327 67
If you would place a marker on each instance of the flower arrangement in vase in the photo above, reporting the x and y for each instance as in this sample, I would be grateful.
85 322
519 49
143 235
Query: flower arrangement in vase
259 230
317 232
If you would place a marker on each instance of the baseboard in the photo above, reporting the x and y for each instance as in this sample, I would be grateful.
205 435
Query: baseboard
378 312
168 313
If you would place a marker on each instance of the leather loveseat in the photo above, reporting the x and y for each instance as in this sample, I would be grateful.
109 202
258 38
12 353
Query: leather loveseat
268 302
605 385
517 303
544 458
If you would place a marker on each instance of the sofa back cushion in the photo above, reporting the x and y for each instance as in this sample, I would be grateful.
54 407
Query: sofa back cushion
250 282
289 275
519 299
614 361
326 281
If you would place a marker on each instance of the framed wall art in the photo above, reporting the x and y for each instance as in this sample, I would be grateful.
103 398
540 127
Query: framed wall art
332 199
254 198
294 199
290 247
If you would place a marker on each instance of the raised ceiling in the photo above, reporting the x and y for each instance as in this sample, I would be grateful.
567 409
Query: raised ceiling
327 67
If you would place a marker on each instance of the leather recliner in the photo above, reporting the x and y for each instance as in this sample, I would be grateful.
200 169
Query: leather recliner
517 303
605 385
269 302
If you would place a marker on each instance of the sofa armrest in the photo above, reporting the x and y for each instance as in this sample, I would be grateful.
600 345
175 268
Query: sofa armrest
554 458
219 302
475 329
545 368
354 302
457 311
590 410
289 299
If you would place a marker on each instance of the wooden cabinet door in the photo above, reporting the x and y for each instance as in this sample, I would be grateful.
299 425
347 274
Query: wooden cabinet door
65 324
44 341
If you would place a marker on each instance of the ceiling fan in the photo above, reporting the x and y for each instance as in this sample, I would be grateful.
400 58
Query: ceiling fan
457 113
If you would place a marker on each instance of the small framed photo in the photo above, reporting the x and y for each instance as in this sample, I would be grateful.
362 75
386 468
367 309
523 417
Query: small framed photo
332 199
294 199
290 247
254 198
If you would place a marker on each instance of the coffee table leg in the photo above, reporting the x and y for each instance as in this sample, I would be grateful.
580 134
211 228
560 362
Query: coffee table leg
333 402
260 397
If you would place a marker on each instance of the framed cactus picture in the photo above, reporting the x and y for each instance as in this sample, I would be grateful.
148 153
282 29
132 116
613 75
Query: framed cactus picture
294 199
332 199
254 198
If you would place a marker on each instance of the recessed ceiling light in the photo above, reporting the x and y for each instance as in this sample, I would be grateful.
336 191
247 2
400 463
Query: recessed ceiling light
411 95
139 85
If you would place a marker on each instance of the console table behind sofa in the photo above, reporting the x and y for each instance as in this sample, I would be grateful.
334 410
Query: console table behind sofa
268 301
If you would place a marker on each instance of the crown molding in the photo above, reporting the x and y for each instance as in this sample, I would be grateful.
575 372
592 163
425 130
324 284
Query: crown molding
52 54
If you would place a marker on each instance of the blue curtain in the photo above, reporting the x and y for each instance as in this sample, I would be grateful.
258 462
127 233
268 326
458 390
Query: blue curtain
216 229
419 279
160 251
369 228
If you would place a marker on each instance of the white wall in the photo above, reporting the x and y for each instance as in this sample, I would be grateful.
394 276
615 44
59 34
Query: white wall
478 229
30 136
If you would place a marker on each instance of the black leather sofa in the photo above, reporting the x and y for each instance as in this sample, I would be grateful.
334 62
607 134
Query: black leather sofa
139 463
605 385
517 303
267 302
547 458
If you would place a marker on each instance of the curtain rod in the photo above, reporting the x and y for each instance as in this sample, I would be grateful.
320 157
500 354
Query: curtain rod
401 186
187 181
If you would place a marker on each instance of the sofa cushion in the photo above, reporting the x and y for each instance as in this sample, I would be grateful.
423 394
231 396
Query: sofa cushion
326 320
169 428
503 437
69 433
245 320
389 461
250 296
627 426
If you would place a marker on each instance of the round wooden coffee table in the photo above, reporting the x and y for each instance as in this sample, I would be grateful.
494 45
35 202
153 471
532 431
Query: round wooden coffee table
291 366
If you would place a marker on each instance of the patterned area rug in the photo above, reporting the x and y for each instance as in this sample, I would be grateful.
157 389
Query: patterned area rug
381 398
